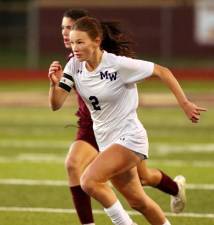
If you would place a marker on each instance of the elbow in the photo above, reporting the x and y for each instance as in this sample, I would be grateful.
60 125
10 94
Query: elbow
54 106
167 71
162 71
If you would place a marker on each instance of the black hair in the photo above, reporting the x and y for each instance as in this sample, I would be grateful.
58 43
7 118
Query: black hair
114 40
75 14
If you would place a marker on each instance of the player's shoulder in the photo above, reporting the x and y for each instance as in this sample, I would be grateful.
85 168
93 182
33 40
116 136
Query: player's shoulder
111 59
73 60
115 58
73 66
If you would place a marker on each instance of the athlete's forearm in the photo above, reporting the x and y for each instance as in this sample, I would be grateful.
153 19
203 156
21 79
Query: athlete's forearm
57 97
168 78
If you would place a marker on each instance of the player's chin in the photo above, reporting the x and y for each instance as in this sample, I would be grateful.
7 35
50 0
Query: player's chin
67 45
81 59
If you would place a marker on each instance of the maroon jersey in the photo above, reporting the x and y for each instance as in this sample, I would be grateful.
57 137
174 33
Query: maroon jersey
82 112
85 124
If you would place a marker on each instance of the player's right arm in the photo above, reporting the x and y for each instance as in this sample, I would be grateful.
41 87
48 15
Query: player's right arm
57 95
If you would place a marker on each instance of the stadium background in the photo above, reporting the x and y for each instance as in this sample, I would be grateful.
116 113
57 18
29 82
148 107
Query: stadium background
165 31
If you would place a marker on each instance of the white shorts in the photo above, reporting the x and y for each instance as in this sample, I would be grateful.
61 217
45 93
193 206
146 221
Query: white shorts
136 141
129 133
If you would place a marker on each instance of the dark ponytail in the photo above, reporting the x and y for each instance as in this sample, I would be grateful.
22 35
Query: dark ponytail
115 40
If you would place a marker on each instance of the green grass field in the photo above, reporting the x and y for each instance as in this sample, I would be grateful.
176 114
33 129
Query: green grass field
34 142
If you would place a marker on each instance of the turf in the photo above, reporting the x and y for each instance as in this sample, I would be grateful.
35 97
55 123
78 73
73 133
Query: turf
34 142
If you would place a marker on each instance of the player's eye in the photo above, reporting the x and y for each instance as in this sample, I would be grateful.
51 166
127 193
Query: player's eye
69 27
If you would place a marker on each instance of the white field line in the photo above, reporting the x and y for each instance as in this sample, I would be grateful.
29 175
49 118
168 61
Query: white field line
33 144
157 147
34 182
181 163
58 158
34 157
25 182
97 211
164 149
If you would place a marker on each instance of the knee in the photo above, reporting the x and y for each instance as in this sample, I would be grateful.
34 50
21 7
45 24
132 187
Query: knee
87 184
71 163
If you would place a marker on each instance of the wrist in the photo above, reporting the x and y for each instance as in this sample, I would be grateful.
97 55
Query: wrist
52 85
183 101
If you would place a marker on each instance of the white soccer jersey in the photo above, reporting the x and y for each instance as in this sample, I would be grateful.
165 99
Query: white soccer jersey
111 95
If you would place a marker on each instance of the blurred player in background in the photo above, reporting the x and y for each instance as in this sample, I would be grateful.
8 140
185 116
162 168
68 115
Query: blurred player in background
85 149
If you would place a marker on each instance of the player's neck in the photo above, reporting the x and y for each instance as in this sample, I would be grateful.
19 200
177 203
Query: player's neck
94 62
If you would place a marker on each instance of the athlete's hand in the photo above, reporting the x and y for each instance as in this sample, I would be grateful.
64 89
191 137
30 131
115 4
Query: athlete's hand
55 73
193 111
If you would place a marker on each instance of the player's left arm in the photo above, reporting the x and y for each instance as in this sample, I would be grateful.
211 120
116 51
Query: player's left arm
191 110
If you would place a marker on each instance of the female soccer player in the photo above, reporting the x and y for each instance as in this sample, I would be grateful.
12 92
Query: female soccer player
81 152
107 82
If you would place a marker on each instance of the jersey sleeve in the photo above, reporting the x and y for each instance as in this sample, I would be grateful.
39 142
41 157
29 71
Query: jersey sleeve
134 70
67 81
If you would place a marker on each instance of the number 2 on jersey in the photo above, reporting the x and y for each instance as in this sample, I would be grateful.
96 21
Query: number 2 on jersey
95 102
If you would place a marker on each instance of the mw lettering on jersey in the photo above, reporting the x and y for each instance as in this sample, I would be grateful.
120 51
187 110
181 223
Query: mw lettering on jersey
107 75
66 82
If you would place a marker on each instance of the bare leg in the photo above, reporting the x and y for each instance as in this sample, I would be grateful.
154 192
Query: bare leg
79 156
129 185
114 161
150 177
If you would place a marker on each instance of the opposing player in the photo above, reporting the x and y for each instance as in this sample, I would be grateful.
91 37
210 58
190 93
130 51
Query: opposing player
85 148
